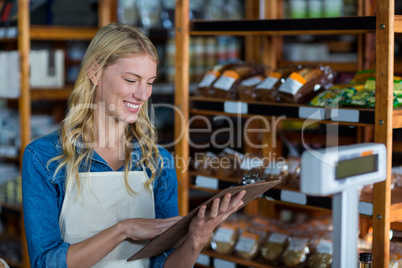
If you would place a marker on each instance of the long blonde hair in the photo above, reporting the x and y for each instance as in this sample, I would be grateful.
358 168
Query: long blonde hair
112 42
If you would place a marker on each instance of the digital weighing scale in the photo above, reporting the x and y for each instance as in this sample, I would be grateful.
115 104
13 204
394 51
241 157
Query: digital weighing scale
342 172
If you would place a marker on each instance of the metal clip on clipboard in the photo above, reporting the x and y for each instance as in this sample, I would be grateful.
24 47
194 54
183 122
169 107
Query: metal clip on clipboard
252 176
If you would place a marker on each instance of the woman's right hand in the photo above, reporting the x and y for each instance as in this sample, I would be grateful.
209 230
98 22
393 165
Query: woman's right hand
145 229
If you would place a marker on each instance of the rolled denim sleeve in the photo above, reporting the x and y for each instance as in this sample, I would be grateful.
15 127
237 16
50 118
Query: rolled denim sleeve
41 212
165 194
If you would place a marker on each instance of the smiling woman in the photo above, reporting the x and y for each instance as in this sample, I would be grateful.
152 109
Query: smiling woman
96 188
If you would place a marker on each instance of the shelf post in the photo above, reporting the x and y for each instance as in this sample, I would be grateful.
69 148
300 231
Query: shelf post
270 44
252 43
181 101
383 127
107 12
24 101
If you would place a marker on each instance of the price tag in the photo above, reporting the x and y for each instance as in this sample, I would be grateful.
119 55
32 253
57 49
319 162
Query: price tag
293 197
235 107
345 115
2 32
223 264
203 260
207 182
312 113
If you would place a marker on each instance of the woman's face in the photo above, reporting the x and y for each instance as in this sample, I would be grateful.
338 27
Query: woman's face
124 86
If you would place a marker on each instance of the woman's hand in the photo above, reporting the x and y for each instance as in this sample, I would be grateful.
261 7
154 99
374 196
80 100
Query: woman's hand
145 229
202 225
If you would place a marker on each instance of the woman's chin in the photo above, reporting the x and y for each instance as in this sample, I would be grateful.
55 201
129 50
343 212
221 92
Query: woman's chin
131 119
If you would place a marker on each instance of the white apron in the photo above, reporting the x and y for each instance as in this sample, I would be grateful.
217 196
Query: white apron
103 201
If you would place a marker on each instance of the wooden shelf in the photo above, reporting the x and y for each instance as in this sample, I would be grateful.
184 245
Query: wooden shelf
257 263
397 146
14 208
313 137
396 226
10 159
51 94
8 40
215 106
398 24
221 178
336 66
299 199
48 94
193 187
316 26
314 203
62 33
197 265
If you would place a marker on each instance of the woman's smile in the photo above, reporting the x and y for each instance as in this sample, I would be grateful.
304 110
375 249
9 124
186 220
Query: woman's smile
132 107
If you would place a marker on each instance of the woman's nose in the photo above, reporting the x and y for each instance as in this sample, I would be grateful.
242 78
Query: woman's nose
141 92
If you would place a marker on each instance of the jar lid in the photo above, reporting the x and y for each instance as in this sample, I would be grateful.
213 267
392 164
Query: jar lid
366 257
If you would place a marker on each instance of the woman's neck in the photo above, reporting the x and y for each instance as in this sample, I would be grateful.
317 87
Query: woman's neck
109 131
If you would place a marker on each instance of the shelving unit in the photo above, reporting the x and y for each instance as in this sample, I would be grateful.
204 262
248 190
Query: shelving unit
107 12
383 118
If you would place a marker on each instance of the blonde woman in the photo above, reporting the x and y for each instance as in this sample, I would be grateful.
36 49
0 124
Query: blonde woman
100 186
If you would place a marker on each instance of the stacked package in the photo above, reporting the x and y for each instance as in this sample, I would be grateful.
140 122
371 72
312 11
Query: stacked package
285 244
256 82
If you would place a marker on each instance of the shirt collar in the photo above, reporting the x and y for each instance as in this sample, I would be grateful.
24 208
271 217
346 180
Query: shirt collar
136 152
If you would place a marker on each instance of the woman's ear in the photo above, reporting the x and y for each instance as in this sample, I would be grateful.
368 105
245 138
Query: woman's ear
94 73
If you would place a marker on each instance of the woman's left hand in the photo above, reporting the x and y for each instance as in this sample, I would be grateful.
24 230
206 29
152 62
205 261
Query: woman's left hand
202 225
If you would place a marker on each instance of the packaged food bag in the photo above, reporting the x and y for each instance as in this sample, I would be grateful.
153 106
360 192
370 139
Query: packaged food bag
296 253
226 86
248 245
267 90
204 87
274 246
305 84
322 256
247 88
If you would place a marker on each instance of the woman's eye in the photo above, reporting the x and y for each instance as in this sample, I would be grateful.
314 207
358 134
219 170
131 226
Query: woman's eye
130 81
150 84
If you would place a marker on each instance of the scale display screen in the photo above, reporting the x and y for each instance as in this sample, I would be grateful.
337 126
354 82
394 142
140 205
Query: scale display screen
356 166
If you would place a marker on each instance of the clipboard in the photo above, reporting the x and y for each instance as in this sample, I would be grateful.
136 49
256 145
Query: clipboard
176 234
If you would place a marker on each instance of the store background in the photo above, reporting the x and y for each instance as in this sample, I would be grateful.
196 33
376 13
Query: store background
55 64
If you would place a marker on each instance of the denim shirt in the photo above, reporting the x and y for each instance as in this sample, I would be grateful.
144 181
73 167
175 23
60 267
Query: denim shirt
43 196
